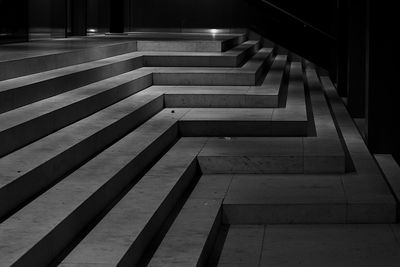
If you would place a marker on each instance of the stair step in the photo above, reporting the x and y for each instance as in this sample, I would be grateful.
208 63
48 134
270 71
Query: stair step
123 234
242 246
391 169
369 196
31 169
248 74
330 245
239 122
21 126
21 91
24 90
230 58
40 56
55 219
222 43
192 234
253 155
285 199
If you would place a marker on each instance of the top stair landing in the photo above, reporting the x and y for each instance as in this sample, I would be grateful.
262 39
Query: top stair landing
37 56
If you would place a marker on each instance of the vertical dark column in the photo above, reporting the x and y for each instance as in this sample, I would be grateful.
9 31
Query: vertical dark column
13 21
58 18
117 16
78 17
356 58
342 35
383 118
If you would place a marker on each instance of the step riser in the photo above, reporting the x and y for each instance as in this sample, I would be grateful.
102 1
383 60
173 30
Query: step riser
176 46
270 165
241 129
135 252
24 95
189 61
17 68
65 233
318 213
250 164
219 101
190 46
23 134
16 193
200 61
210 79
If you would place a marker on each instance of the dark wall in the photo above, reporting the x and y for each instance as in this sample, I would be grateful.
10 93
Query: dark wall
188 13
223 13
40 16
98 15
13 21
316 12
383 112
256 15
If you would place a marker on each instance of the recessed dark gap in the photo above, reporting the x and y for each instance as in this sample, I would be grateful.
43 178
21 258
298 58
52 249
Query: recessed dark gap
348 160
216 250
311 131
283 90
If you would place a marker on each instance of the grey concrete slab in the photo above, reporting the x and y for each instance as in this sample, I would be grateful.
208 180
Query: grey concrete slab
323 155
246 75
369 196
223 122
330 245
191 236
274 78
218 96
37 56
252 155
231 58
369 199
192 46
36 234
212 186
123 234
391 170
264 199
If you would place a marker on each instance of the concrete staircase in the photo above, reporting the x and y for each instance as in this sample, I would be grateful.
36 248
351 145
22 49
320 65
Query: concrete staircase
141 149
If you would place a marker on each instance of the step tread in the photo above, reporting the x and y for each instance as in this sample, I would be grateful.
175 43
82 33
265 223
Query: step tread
263 199
253 146
27 227
126 224
252 65
23 114
369 196
52 74
330 245
21 162
191 236
55 73
228 114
